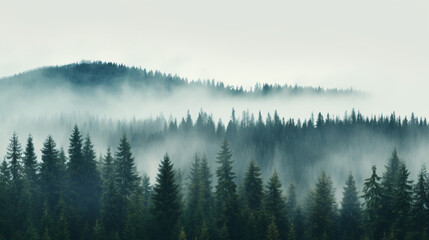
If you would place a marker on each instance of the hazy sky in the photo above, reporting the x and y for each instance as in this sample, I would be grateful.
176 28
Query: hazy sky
365 44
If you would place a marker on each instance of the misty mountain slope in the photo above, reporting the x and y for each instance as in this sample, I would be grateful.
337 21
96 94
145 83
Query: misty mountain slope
110 76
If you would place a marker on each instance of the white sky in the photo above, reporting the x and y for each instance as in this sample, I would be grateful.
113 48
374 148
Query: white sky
365 44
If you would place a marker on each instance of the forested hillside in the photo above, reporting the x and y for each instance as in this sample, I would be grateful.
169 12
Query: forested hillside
111 76
71 194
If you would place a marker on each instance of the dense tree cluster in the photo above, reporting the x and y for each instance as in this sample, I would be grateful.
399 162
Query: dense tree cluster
77 196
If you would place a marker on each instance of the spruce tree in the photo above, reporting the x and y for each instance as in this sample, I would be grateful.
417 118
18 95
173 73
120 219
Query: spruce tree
31 166
388 182
372 194
15 190
166 208
253 187
253 196
275 205
92 184
322 212
109 198
350 214
226 195
50 173
193 213
126 174
420 211
126 180
402 203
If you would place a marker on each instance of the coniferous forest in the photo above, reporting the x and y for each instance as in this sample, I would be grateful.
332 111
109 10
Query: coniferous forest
73 194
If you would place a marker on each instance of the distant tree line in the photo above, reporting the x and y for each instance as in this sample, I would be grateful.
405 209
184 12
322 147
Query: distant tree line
109 75
74 195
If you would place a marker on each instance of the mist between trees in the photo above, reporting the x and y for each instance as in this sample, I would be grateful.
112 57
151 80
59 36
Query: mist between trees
77 196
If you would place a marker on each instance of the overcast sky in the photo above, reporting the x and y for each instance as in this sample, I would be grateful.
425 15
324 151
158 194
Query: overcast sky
365 44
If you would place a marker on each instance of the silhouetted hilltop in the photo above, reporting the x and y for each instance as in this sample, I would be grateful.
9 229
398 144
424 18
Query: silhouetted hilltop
109 75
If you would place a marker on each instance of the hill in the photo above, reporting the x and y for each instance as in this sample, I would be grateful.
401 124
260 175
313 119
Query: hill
109 76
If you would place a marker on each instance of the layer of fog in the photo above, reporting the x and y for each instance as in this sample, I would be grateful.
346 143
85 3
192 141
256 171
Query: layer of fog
54 111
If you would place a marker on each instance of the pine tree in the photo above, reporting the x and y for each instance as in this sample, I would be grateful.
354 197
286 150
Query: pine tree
62 231
350 214
126 175
420 212
226 195
291 202
126 180
5 224
372 194
322 212
402 203
31 166
50 173
15 190
253 187
92 184
272 232
388 182
194 210
275 204
109 198
166 202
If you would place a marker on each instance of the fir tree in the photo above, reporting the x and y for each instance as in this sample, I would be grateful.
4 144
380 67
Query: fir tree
322 212
166 202
275 204
31 166
350 213
226 195
50 173
253 187
109 198
420 212
126 180
402 203
372 194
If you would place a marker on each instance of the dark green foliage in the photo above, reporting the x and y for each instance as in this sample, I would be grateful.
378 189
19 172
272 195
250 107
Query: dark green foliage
419 209
323 212
38 202
126 180
253 187
275 205
402 203
110 196
50 173
372 194
166 202
227 214
350 213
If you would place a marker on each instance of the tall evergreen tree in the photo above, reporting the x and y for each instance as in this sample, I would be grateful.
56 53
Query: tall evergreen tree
126 179
109 198
15 190
275 204
50 173
126 175
323 212
402 203
420 211
166 202
226 194
388 182
253 187
194 214
31 166
92 184
350 214
372 194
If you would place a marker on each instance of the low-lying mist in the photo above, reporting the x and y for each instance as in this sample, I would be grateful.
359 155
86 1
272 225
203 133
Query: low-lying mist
145 114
